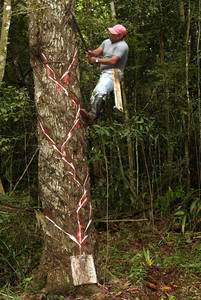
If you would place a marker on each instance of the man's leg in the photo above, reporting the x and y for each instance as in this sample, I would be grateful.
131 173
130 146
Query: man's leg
103 87
96 107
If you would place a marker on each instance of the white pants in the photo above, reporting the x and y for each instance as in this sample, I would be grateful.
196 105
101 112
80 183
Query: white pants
105 84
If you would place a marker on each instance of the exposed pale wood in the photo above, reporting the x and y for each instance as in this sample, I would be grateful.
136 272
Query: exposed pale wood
117 90
83 270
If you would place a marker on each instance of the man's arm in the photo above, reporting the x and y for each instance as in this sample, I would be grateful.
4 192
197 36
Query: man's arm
105 61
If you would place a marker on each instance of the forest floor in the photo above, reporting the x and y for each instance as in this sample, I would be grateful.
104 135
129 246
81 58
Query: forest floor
140 263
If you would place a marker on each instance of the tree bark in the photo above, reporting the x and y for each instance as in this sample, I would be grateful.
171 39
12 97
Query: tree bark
4 36
188 118
2 192
114 16
166 92
3 49
62 179
199 98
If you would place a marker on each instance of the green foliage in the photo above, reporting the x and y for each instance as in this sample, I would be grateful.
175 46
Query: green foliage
20 243
190 212
147 257
166 202
188 261
140 256
111 136
137 270
18 70
157 107
17 128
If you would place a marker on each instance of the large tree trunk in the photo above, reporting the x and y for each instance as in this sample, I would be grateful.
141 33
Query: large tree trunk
63 179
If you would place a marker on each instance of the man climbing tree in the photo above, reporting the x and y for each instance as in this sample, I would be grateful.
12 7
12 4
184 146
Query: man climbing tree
63 167
115 55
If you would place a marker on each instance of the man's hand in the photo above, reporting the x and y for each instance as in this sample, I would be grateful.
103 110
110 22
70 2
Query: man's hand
89 53
92 59
97 52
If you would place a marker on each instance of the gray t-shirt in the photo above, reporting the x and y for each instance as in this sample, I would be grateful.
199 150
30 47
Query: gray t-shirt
119 49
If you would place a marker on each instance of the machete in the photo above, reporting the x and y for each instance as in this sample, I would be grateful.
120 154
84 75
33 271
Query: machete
80 34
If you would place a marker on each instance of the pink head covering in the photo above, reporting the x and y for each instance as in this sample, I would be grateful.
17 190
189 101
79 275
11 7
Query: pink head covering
118 29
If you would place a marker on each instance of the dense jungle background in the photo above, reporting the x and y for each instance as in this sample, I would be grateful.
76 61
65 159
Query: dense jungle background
145 163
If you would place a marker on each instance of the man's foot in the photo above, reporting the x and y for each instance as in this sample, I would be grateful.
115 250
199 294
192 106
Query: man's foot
89 120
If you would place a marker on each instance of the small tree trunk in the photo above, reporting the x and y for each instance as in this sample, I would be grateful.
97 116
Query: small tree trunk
62 179
165 89
4 36
188 118
129 142
199 98
3 48
113 12
130 148
2 192
182 12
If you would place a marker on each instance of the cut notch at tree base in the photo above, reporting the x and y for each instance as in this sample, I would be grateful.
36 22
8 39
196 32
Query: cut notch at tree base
83 270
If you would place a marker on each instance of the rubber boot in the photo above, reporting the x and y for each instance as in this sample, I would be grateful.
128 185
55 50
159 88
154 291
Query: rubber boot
93 114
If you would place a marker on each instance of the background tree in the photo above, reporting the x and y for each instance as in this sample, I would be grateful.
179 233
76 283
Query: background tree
3 47
4 36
